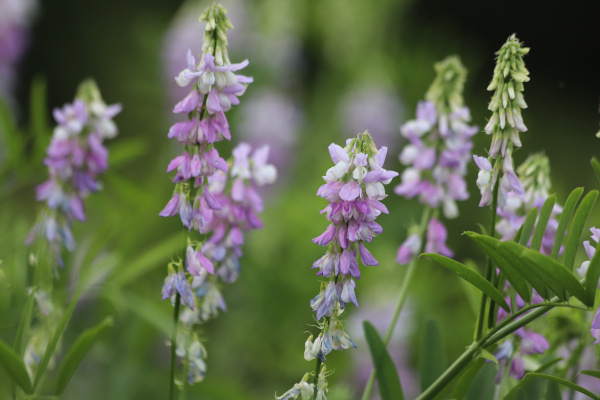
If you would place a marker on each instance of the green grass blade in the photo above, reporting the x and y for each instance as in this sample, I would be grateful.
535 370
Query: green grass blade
595 374
24 325
54 341
564 220
483 386
564 382
574 236
432 359
490 246
528 227
540 228
385 370
472 277
14 366
77 352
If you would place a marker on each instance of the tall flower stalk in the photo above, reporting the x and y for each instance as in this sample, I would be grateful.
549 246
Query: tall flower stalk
354 189
497 181
436 157
215 89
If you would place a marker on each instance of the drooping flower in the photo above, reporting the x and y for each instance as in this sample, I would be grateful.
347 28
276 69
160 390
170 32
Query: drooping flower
75 158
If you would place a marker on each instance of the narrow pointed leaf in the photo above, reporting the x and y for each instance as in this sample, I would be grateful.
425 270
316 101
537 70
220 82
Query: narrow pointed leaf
432 359
490 246
591 279
14 366
551 272
596 167
527 227
553 391
472 277
24 323
51 347
562 382
542 223
465 380
483 386
564 220
595 374
526 271
385 370
574 235
76 353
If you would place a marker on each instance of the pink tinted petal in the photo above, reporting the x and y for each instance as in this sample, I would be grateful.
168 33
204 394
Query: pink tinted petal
350 191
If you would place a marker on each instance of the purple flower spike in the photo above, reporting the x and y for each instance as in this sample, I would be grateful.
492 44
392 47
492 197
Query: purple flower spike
75 158
353 187
436 239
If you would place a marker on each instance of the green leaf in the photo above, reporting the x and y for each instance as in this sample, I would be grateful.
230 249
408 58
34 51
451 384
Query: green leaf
553 391
472 277
432 360
465 380
483 386
591 279
24 323
550 271
528 227
596 167
51 347
595 374
574 236
15 367
542 223
561 381
565 216
490 246
76 353
385 370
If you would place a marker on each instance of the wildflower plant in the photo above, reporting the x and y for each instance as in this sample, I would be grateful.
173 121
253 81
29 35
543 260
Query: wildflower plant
354 188
210 196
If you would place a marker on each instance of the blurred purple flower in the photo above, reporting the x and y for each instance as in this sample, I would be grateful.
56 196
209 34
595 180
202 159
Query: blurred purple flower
375 108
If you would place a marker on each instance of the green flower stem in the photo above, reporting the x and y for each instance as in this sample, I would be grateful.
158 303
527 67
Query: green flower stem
402 296
498 333
174 345
317 372
489 273
493 310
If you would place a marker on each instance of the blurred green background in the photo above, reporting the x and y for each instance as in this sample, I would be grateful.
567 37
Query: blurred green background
336 67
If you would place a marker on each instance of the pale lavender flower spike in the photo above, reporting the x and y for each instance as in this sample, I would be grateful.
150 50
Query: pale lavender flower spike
75 158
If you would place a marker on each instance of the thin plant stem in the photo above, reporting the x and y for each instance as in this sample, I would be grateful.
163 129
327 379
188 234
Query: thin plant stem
174 345
401 297
488 268
493 310
317 372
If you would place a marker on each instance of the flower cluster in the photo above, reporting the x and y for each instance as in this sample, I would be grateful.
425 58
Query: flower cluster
529 342
505 124
590 251
354 188
75 157
437 155
215 89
